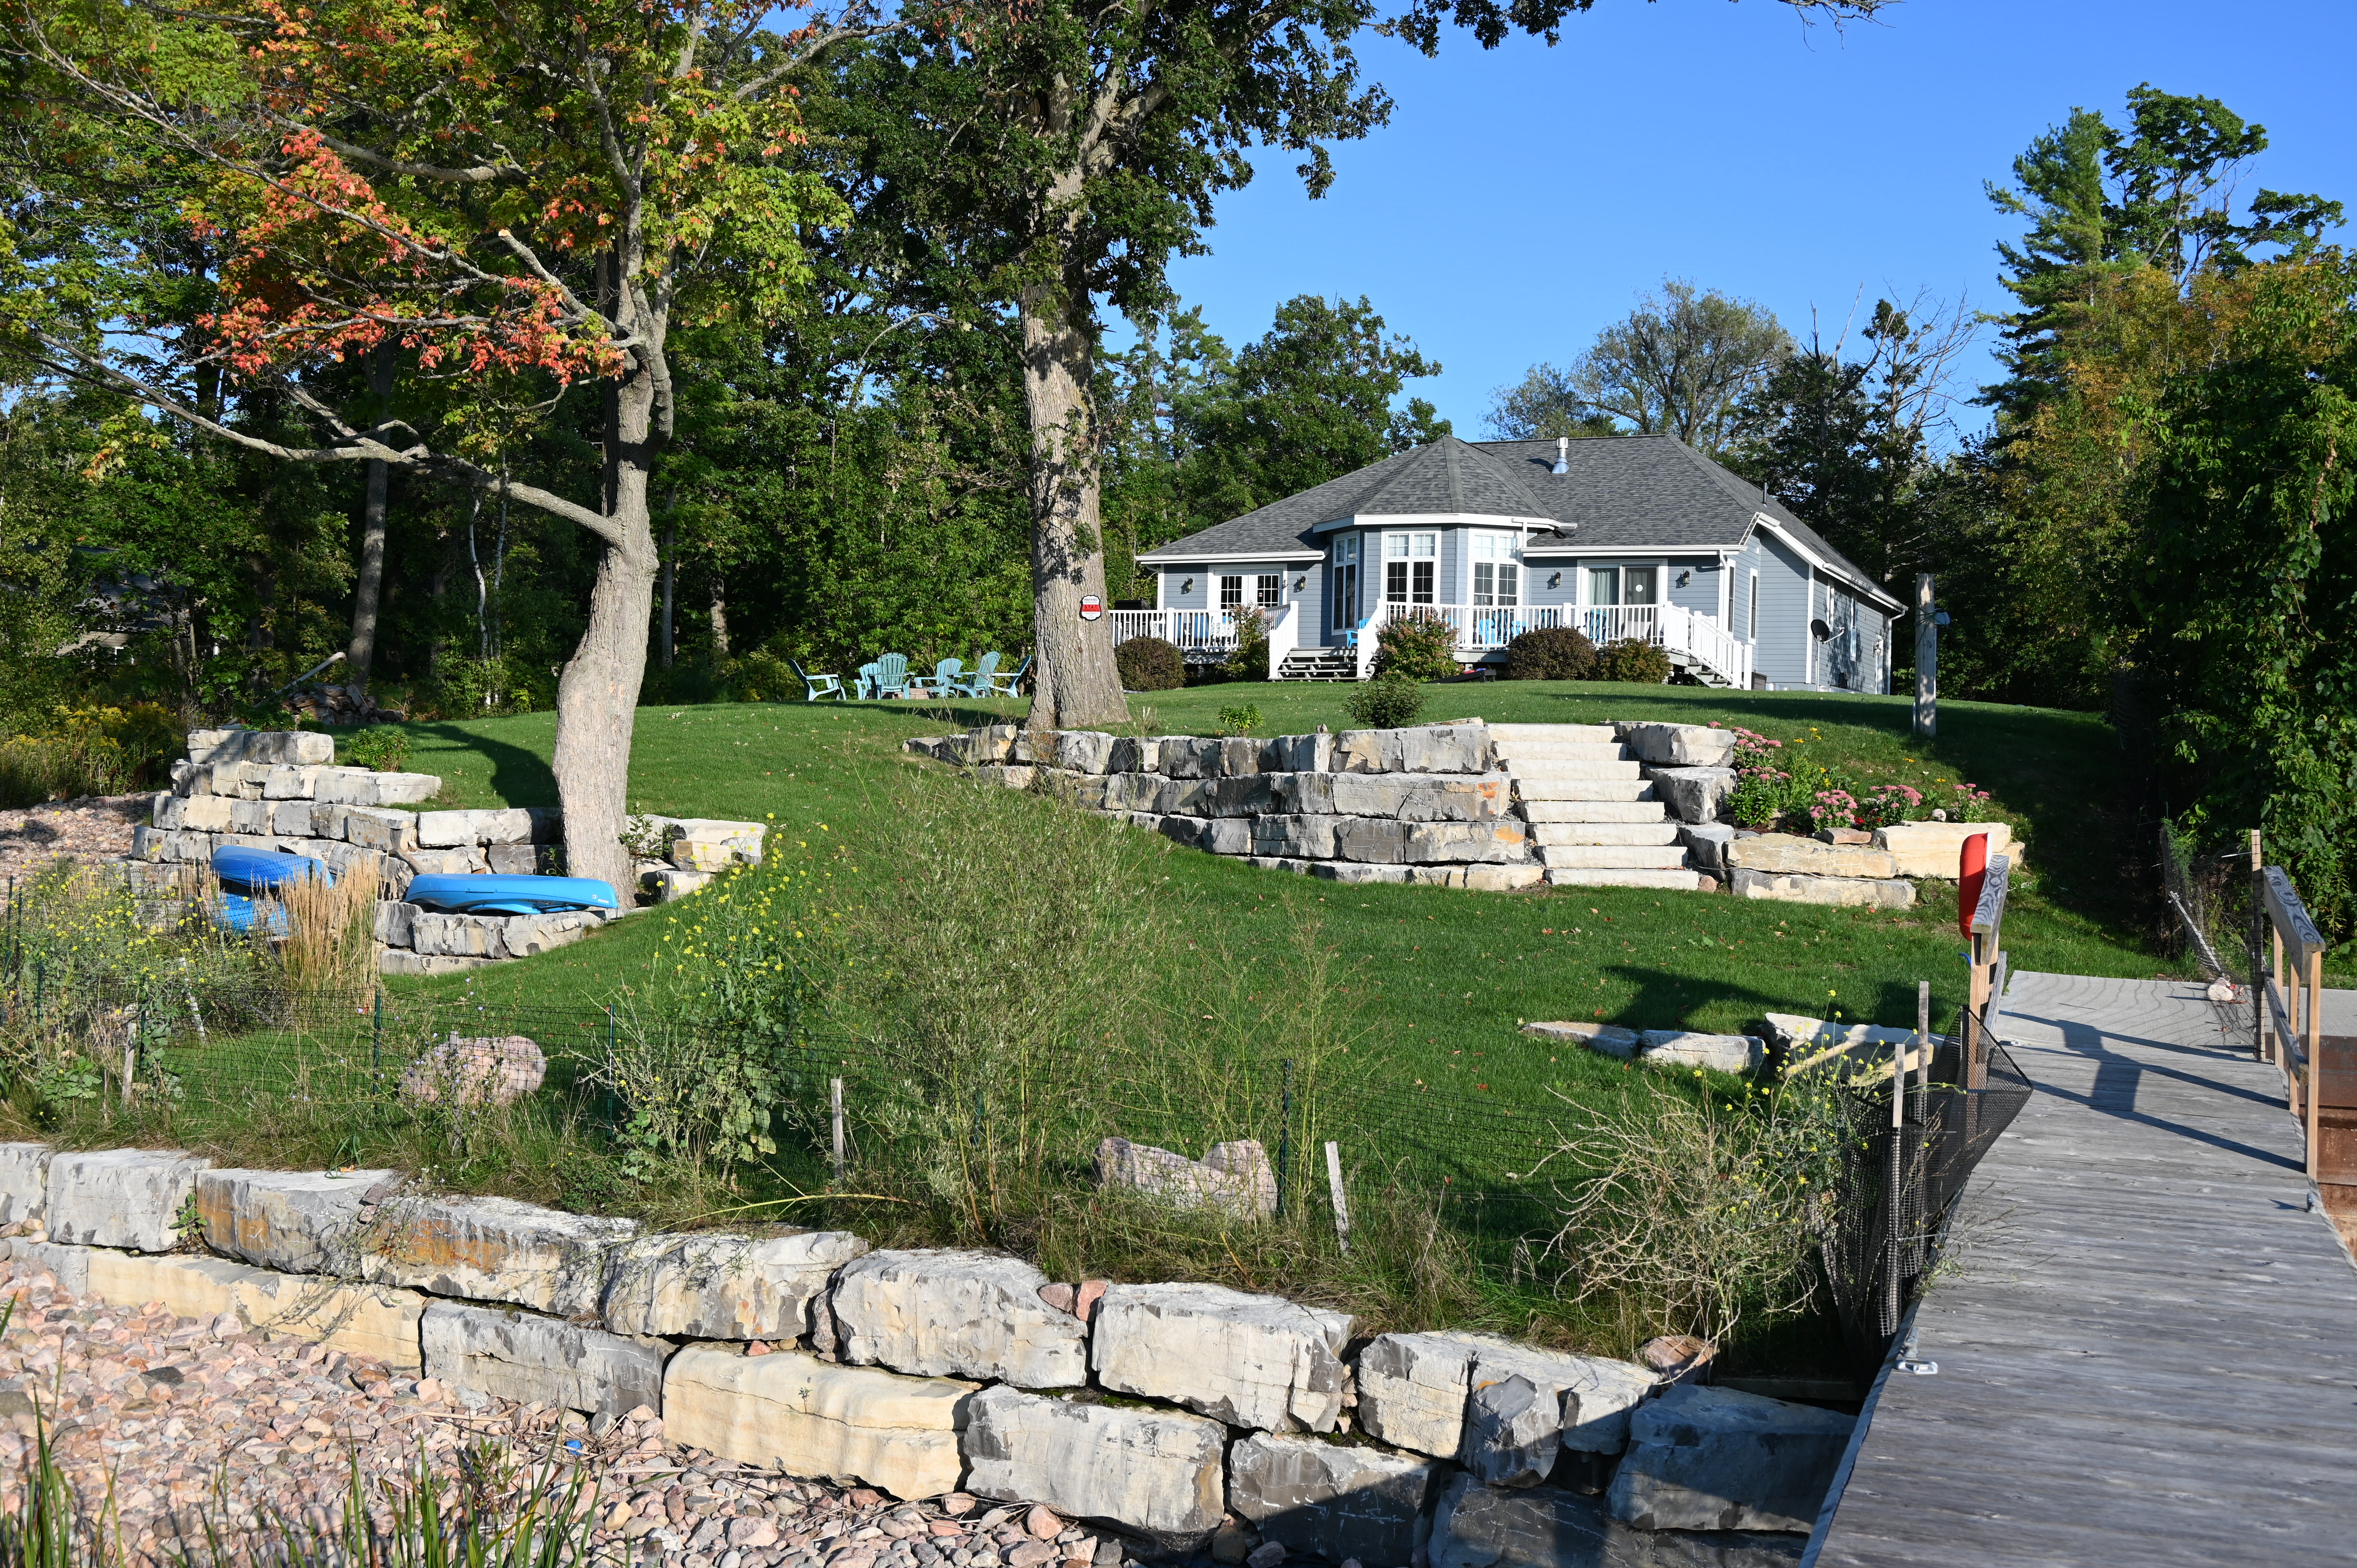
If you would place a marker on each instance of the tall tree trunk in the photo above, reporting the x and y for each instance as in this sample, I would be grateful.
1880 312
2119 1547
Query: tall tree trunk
1075 683
360 654
598 696
719 616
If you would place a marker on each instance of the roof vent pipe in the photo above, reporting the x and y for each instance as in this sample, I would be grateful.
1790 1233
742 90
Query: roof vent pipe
1563 454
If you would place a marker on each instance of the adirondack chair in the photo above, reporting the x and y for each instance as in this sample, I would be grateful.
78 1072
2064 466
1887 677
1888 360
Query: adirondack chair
816 686
946 677
979 683
892 675
862 686
1007 685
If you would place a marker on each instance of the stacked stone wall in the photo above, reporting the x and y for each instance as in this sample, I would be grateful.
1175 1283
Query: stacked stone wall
280 791
1173 1414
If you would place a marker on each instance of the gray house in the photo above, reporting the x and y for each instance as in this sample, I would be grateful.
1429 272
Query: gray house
1618 536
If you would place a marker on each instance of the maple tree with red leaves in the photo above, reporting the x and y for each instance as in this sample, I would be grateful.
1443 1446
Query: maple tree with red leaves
492 207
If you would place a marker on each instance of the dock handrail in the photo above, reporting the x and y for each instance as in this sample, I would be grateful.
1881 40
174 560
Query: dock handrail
2289 995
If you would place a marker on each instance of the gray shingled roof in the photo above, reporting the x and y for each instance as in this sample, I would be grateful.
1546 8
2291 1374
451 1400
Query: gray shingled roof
1633 492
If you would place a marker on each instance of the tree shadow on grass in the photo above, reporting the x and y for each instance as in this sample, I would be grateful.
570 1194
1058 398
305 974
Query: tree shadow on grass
519 776
1665 999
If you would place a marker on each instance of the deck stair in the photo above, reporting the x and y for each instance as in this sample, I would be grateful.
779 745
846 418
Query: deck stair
1318 664
1593 818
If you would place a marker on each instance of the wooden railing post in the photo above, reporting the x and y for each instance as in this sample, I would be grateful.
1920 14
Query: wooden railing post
2313 1033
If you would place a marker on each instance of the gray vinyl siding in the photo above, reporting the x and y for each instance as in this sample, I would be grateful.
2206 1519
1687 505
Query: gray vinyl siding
1780 650
1310 615
1174 597
1536 573
1455 583
1701 592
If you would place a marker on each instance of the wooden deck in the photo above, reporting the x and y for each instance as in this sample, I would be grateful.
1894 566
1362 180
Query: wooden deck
2149 1353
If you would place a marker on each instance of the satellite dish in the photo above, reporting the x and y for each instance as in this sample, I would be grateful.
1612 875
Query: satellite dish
1821 631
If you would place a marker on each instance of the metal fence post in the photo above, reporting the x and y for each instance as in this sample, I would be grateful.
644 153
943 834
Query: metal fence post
1283 1136
376 1033
611 1105
835 1095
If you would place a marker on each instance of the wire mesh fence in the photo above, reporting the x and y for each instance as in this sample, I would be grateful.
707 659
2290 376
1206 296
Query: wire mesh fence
1901 1176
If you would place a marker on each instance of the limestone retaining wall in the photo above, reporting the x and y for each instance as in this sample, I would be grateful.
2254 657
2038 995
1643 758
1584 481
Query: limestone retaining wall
1166 1412
279 791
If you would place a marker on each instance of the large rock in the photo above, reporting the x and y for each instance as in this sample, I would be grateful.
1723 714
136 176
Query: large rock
448 830
1799 1039
471 1072
1706 844
1681 745
24 1183
1301 752
1787 853
1848 892
1415 1391
723 1288
1935 849
1705 1458
1154 1471
1693 794
702 843
1683 1047
369 1322
1295 837
122 1197
1249 1361
1424 844
1430 748
966 1315
446 935
495 1249
303 1222
795 1413
1546 1526
532 1360
224 747
1324 1499
1405 797
1234 1177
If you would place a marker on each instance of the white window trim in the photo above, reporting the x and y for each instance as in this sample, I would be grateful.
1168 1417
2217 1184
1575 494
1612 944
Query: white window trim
1751 616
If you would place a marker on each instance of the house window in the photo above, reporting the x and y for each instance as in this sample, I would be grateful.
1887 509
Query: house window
1638 585
1510 582
1346 583
1269 590
1426 564
1604 585
1231 592
1485 584
1496 578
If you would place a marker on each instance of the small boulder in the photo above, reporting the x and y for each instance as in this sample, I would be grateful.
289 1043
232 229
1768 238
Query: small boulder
1720 1053
1703 1458
470 1073
1609 1039
1234 1176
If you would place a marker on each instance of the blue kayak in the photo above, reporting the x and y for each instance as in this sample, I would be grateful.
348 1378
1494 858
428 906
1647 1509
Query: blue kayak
253 871
510 895
236 912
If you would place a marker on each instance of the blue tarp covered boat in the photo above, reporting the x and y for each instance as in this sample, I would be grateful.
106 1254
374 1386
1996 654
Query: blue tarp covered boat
236 912
504 895
251 871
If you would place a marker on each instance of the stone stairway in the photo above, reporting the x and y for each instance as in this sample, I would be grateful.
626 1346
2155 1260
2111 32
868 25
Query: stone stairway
1318 664
1593 819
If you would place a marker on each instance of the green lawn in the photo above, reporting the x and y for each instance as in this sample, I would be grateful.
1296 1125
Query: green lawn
1444 976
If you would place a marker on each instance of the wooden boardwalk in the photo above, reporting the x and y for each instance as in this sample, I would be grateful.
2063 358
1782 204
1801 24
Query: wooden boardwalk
2148 1354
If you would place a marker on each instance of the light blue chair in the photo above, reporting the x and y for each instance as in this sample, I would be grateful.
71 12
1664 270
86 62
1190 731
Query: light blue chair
892 675
816 686
979 683
948 676
1006 685
863 685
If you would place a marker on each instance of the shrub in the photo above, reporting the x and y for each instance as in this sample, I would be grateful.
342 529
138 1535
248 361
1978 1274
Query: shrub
88 751
1421 647
1634 659
382 749
1550 653
1387 702
1150 664
1250 661
1239 721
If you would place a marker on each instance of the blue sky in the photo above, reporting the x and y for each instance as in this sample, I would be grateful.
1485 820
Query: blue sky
1522 197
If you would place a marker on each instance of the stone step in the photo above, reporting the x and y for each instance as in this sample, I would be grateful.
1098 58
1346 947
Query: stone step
1547 811
1586 734
1567 767
1613 857
1548 834
1537 753
1630 789
1677 881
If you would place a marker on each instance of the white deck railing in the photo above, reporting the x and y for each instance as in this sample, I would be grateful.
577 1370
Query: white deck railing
1480 630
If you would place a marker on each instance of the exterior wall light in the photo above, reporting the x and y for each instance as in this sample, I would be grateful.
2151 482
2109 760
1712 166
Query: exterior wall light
1301 582
1188 586
1554 579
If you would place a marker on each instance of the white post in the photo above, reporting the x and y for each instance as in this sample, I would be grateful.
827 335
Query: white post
1341 1204
837 1097
1284 634
1927 659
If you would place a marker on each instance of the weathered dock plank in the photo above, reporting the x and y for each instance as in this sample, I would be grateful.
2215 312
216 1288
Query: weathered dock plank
2147 1345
